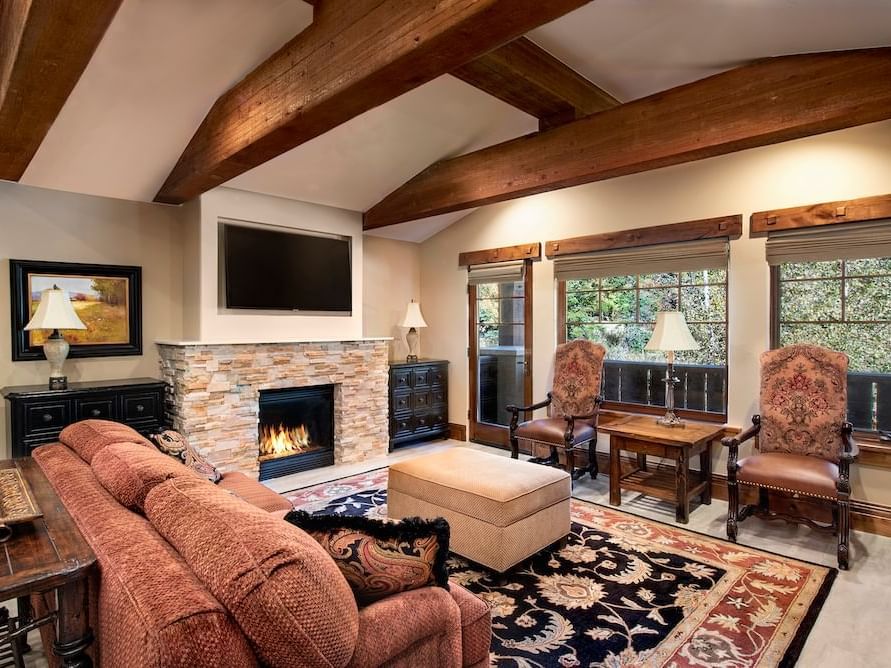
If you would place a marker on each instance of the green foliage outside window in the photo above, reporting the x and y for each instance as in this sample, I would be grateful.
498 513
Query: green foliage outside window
840 304
620 312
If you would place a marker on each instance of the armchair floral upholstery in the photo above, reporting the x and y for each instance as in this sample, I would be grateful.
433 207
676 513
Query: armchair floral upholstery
805 446
573 405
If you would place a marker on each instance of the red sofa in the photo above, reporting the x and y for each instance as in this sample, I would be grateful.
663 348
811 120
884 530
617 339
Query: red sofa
152 602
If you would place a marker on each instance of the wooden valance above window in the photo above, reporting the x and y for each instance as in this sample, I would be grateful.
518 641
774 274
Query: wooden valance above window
835 242
823 214
689 246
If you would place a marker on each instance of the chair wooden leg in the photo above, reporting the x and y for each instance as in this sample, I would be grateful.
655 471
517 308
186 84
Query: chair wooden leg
844 533
732 509
592 459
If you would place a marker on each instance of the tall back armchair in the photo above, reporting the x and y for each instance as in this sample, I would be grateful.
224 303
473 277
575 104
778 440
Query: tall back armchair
573 405
805 445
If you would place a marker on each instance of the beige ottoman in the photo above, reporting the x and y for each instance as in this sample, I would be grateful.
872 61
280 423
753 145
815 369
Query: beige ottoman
500 510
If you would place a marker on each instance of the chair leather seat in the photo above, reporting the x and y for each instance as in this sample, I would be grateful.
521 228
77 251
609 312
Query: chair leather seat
789 472
552 430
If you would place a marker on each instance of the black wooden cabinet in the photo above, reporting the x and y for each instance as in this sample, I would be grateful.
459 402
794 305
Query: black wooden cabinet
36 415
419 401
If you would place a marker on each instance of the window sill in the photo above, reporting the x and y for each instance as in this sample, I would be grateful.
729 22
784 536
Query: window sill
640 409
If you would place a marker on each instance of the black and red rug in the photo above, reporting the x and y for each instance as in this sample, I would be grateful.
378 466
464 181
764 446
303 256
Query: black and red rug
627 591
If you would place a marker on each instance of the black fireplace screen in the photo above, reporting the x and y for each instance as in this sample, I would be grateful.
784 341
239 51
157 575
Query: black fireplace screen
296 430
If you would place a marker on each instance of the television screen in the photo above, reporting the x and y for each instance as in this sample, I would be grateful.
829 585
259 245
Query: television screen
274 270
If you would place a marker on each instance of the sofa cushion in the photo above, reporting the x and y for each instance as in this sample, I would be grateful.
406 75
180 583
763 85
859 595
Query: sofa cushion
129 471
150 609
279 584
88 437
377 558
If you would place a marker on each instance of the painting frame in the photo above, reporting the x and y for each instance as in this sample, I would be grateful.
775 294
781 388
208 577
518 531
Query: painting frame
21 272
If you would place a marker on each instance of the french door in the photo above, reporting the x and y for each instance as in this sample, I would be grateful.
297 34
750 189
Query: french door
500 352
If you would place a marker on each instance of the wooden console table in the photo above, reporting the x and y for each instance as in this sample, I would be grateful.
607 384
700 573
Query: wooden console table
641 435
49 554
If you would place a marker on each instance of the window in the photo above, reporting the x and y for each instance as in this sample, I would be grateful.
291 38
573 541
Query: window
843 305
620 311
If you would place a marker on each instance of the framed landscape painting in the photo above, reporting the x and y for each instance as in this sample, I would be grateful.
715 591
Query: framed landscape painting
107 298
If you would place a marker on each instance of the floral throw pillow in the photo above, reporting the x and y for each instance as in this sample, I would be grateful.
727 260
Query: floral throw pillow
377 558
176 445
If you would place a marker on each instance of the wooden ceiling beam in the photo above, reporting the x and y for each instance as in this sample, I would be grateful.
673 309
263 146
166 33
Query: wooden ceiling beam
529 78
44 49
356 55
766 102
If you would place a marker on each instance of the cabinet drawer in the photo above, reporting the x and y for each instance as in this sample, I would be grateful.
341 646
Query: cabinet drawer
438 375
46 418
421 401
401 380
101 407
141 408
402 402
421 377
402 426
439 395
434 420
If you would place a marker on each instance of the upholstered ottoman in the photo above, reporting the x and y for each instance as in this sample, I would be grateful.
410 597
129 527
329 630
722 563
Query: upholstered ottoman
500 510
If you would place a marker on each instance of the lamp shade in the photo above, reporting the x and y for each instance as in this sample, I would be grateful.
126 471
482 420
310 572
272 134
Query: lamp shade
671 333
55 312
413 317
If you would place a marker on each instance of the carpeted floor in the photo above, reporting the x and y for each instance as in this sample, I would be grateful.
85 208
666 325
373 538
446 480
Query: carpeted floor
627 591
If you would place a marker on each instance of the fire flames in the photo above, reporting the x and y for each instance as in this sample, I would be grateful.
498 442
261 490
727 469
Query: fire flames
279 440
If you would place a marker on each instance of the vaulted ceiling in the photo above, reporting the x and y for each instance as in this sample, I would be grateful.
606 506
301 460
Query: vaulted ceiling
162 64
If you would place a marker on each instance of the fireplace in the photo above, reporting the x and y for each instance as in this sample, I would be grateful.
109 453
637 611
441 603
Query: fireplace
296 430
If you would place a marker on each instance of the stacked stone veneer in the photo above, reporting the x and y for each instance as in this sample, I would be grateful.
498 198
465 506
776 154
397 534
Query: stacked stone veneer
214 391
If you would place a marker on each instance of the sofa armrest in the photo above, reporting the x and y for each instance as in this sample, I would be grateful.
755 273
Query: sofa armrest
389 628
476 626
254 492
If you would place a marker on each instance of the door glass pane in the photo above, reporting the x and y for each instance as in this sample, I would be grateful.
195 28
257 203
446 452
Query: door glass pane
501 348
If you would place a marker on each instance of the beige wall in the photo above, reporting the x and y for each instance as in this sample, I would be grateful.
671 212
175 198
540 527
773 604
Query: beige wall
846 164
37 224
392 276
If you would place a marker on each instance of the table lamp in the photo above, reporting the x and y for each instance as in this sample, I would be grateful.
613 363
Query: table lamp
55 312
670 334
413 319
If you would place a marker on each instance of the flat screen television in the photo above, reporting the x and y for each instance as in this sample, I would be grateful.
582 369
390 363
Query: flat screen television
276 270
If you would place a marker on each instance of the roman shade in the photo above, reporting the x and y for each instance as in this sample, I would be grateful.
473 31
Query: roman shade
685 256
850 241
499 272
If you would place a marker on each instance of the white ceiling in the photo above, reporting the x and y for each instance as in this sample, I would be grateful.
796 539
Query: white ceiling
163 63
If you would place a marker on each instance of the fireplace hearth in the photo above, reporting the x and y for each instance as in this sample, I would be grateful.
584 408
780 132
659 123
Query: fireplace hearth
296 430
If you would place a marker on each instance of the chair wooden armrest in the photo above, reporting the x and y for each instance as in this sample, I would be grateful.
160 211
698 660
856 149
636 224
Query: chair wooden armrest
851 450
534 407
732 443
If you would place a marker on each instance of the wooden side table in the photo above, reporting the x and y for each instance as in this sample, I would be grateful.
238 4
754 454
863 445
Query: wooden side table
643 436
46 555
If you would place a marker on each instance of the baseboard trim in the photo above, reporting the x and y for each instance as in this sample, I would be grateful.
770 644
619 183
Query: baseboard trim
867 517
457 432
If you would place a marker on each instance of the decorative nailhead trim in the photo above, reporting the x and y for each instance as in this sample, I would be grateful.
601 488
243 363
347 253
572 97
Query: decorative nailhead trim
791 491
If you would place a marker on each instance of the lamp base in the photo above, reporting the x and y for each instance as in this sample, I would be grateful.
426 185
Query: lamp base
55 349
670 419
58 382
411 339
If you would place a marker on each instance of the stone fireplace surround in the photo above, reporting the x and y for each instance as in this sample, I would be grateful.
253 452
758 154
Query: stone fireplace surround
214 390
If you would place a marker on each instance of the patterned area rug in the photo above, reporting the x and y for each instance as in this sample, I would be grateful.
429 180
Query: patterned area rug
626 591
